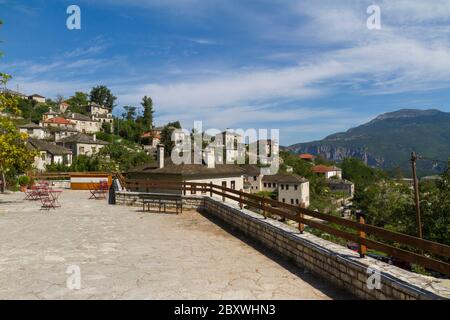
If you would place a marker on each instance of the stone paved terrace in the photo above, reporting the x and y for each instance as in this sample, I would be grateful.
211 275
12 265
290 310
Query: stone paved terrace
127 254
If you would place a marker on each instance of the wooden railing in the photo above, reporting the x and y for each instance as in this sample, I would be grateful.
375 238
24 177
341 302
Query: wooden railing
413 250
64 175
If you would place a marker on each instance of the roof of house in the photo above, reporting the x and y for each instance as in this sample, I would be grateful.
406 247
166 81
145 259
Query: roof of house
80 117
42 145
61 129
251 170
36 95
323 168
307 156
30 125
151 135
52 112
190 171
95 104
106 116
339 182
283 177
81 138
59 120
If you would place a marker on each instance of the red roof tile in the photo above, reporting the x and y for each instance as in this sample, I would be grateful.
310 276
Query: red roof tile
59 120
306 156
323 168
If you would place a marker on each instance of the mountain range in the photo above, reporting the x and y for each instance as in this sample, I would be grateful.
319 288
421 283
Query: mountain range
387 141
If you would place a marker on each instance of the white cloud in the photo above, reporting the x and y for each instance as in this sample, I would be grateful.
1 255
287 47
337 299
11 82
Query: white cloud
410 53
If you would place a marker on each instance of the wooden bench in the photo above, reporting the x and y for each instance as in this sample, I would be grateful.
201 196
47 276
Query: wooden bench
162 200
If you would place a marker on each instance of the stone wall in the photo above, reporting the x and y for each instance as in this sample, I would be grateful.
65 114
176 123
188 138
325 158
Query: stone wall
132 199
331 261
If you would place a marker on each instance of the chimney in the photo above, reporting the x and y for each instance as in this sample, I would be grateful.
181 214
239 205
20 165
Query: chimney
94 137
160 156
209 158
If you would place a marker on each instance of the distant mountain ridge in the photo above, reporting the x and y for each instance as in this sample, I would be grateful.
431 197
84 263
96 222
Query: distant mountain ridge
387 141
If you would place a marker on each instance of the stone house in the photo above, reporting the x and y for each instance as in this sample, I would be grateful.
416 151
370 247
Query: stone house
36 97
290 188
49 153
252 178
328 171
82 144
58 122
227 175
34 131
101 113
84 123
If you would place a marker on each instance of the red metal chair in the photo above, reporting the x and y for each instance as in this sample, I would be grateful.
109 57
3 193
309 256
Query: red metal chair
47 203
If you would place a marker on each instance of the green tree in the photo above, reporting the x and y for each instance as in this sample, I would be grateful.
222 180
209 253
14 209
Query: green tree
359 173
78 103
102 96
147 104
130 113
14 155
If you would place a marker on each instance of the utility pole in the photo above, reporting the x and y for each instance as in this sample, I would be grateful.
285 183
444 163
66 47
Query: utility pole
416 194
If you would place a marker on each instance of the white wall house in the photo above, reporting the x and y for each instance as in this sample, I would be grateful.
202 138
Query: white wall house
38 98
227 175
49 153
328 171
291 189
101 113
82 144
34 131
58 122
252 179
84 123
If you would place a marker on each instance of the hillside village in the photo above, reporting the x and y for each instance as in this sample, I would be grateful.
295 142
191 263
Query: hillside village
62 135
81 134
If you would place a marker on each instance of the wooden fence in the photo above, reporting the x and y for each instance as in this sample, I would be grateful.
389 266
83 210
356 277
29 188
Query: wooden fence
409 248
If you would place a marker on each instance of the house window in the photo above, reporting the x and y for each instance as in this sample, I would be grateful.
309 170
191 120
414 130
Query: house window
265 185
296 201
282 186
270 185
284 200
296 187
224 184
43 156
254 178
287 187
81 150
94 149
274 185
233 185
292 201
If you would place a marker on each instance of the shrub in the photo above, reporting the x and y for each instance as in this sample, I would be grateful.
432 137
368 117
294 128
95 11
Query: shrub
24 180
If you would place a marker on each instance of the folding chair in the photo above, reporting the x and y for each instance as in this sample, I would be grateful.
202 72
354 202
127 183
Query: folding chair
47 203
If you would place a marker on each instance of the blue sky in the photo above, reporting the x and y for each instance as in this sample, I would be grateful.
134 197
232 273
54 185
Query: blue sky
309 68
